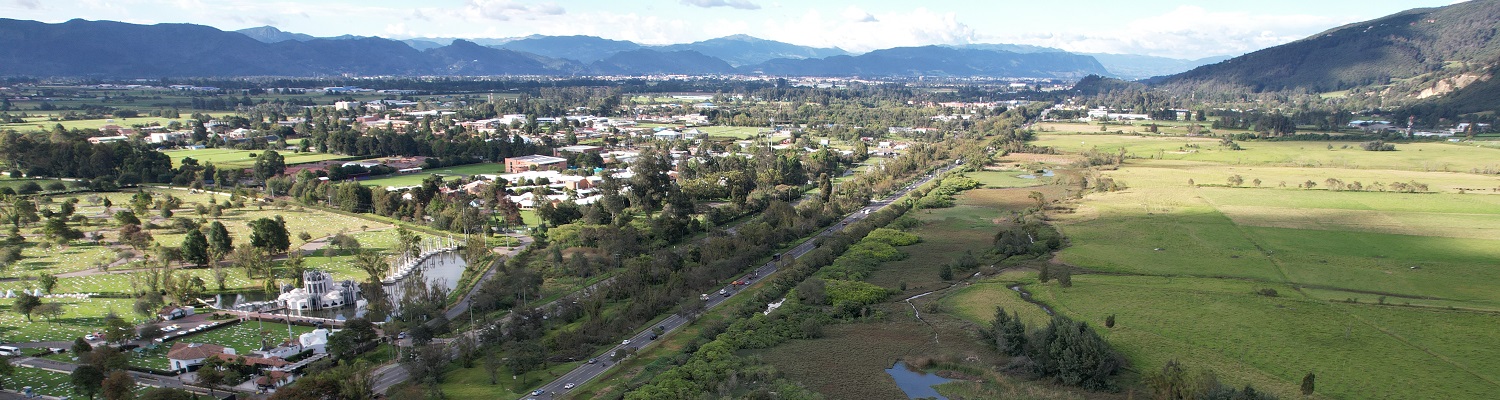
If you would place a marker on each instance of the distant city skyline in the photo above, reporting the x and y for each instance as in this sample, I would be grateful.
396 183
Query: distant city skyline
1178 29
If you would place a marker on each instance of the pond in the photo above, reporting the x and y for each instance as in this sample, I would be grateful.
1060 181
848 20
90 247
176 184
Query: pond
1045 173
916 384
444 269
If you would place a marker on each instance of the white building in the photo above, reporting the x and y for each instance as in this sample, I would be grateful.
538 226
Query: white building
319 291
185 355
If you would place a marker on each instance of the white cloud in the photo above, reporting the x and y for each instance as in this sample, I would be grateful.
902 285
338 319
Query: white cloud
505 10
861 31
1186 32
740 4
857 14
29 4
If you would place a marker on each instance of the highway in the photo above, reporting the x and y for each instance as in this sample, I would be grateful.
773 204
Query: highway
588 371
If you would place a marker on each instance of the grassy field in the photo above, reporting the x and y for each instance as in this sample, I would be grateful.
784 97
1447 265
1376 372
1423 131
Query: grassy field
1441 156
81 255
80 317
849 361
1381 294
731 132
1357 350
416 179
1008 179
232 158
976 303
474 383
1361 242
41 381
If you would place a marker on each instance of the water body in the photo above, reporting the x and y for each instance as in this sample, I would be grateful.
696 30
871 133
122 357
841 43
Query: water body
1045 173
916 384
443 270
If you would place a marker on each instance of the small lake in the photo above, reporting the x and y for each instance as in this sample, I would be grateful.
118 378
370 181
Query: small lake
443 269
1045 173
916 384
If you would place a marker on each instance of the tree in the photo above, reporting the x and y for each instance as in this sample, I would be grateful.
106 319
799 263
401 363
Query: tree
268 164
127 218
87 380
81 347
270 235
356 333
1236 180
47 282
373 264
50 311
26 304
1109 322
57 230
7 370
211 376
136 237
157 393
116 329
195 248
1307 384
219 241
118 386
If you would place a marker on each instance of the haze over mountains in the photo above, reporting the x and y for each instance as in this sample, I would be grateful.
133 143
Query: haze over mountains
123 50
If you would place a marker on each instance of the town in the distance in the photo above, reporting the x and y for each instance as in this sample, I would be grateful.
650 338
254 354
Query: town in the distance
572 217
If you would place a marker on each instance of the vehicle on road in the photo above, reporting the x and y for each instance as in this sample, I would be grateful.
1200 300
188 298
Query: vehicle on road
704 297
724 292
625 342
538 392
90 337
593 360
568 386
9 351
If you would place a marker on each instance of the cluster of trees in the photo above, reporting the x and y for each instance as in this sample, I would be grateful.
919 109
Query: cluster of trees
1175 382
1026 236
1065 350
1377 146
68 154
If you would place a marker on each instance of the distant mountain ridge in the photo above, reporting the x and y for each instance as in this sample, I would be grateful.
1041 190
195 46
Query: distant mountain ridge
75 48
1414 43
940 61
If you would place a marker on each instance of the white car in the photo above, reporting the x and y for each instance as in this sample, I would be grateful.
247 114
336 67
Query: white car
568 386
625 342
90 337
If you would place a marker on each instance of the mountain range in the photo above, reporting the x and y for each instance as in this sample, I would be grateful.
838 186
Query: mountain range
121 50
1420 52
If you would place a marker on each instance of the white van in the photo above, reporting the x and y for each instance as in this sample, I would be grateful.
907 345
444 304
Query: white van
9 351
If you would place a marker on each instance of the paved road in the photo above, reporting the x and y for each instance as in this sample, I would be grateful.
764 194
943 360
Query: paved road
588 371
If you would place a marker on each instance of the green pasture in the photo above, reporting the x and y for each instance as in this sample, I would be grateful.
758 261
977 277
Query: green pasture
1007 179
1425 156
731 132
415 179
1358 351
232 158
976 303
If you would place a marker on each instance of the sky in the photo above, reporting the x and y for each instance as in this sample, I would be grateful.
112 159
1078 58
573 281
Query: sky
1178 29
